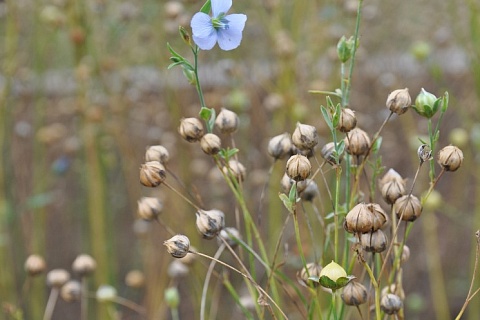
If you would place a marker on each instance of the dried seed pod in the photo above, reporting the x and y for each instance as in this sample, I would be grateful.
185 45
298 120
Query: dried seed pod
210 223
305 137
312 270
227 121
210 143
450 158
354 294
286 184
190 257
311 190
56 278
365 218
176 269
236 169
191 129
374 241
84 265
347 121
35 265
135 279
229 235
298 167
392 186
178 245
157 153
393 289
71 291
280 146
405 254
391 303
424 153
149 208
152 174
408 208
328 153
398 101
357 142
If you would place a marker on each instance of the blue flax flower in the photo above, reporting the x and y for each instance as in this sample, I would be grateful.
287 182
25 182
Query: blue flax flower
226 29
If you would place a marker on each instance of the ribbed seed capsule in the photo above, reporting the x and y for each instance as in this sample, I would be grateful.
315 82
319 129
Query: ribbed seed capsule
354 294
391 303
191 129
210 223
310 192
210 143
399 101
157 153
149 208
298 167
227 121
287 183
347 121
357 142
312 270
177 246
84 265
152 174
71 291
328 153
230 235
408 208
35 265
305 137
392 186
280 146
393 288
450 158
424 153
57 278
374 241
365 218
236 169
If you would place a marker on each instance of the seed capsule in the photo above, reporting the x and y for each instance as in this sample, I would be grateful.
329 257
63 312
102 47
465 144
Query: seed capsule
287 183
236 169
450 158
106 293
408 208
310 192
280 146
334 271
365 218
84 265
347 121
305 137
71 291
354 294
424 153
398 101
191 129
391 303
149 208
152 174
298 167
227 121
398 291
328 153
177 246
374 241
35 265
312 270
56 278
357 142
210 223
392 186
210 143
157 153
135 279
230 235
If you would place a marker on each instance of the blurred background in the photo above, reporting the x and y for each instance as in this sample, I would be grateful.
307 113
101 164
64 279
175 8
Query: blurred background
84 89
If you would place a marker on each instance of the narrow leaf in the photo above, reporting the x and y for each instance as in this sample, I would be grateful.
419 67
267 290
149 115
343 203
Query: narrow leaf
206 7
326 117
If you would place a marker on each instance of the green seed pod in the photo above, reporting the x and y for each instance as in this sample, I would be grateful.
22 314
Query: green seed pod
426 104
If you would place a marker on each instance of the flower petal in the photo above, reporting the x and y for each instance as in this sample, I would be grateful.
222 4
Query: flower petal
230 38
206 43
201 25
220 6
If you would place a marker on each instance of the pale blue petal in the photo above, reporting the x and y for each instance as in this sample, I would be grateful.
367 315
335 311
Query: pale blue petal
201 25
206 43
220 6
230 38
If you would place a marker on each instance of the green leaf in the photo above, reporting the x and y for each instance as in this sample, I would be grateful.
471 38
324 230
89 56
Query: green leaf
436 136
377 145
326 117
292 196
336 115
286 202
327 283
330 215
422 141
173 52
206 7
445 102
205 113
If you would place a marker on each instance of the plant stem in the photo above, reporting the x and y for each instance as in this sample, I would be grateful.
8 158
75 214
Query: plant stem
346 96
207 281
52 300
197 79
376 286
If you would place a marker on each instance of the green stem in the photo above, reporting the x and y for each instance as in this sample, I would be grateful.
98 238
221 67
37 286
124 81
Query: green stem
338 172
355 44
378 315
334 304
197 79
432 146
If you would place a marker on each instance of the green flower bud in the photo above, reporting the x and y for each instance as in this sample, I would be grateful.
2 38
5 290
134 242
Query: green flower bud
426 104
345 48
172 297
333 276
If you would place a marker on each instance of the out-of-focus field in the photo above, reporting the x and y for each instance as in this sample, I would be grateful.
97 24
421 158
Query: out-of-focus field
84 89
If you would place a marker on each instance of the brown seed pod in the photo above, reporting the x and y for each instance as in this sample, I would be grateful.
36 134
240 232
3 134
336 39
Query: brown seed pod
354 294
84 264
357 142
227 121
312 270
298 167
236 169
305 137
148 208
157 153
374 241
152 174
56 278
229 235
35 265
191 129
177 246
347 121
408 208
280 146
391 303
450 158
328 152
210 143
210 223
365 218
71 291
399 101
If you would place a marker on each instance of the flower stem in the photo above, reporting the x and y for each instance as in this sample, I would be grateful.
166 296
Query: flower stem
52 300
352 63
197 79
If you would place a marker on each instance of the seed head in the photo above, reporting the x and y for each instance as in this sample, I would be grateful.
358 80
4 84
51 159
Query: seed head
280 146
84 265
391 303
191 129
210 223
227 121
210 143
328 153
236 169
312 270
71 291
408 208
286 184
298 167
177 246
393 288
305 137
424 153
426 104
392 186
398 101
135 279
157 153
357 142
35 265
374 241
354 294
347 121
365 218
56 278
152 174
310 192
334 271
230 235
450 158
149 208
